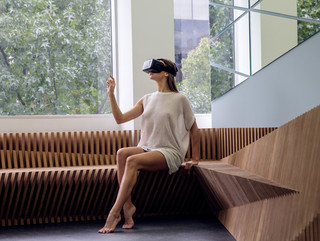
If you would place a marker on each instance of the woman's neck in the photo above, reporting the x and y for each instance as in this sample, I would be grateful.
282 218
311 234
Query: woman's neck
163 86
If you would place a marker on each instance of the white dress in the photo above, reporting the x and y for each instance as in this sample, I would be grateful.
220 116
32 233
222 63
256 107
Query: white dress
166 121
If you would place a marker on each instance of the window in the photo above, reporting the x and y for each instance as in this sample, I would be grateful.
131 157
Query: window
191 23
54 57
246 36
220 43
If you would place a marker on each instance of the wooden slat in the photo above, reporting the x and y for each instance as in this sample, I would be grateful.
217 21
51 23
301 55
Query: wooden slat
231 140
25 150
102 146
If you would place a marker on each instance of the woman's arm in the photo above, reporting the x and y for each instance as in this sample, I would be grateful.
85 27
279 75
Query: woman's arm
195 144
120 117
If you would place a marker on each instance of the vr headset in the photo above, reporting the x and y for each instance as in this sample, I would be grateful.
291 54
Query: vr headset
156 66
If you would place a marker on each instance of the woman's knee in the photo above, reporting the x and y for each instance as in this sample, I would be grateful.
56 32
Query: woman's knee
131 162
122 155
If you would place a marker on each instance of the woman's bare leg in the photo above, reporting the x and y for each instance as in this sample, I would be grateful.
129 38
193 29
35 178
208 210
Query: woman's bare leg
150 161
128 208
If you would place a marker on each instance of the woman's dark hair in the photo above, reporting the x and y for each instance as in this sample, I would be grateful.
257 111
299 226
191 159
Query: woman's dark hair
170 80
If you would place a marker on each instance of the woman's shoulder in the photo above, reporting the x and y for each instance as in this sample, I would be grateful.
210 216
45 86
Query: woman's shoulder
182 96
148 95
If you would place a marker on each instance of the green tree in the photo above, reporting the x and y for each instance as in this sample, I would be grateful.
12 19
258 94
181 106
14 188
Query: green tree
196 72
307 9
221 49
54 56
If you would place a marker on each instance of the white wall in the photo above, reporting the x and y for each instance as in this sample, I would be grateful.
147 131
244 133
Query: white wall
281 91
152 37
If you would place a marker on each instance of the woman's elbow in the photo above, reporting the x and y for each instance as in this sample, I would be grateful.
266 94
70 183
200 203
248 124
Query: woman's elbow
119 121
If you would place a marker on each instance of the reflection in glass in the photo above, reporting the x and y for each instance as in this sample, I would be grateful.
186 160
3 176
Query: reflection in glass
275 36
221 82
306 30
222 49
231 48
219 19
308 9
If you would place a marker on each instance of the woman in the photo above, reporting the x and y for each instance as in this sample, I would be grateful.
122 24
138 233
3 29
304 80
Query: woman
167 120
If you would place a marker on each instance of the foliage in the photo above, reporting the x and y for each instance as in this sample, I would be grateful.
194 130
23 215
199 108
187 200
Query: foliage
196 72
221 50
309 9
53 56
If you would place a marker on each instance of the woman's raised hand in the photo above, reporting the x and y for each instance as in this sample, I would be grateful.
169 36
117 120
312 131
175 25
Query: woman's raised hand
111 84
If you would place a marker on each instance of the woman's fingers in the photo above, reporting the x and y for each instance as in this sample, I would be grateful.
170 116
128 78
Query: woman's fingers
189 164
111 80
111 84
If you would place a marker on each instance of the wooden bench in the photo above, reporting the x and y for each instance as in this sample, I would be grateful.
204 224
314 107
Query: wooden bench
71 176
259 188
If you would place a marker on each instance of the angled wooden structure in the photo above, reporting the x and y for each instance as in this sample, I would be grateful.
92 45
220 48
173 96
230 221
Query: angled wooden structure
227 186
288 157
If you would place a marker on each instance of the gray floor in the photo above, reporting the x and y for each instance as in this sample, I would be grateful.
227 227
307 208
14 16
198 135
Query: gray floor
153 229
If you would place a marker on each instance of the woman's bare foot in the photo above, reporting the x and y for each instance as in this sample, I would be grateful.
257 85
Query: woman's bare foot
128 211
111 223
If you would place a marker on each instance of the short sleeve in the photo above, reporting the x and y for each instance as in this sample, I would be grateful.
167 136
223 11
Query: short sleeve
145 100
188 114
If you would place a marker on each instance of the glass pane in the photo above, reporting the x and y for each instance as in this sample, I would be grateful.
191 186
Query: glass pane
241 3
196 73
221 82
226 2
220 18
55 56
241 46
271 37
222 51
308 9
192 52
231 49
187 33
306 30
